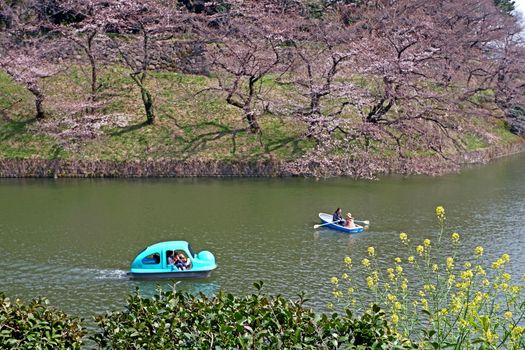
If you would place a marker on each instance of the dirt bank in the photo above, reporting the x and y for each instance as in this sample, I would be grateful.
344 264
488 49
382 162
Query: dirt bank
356 168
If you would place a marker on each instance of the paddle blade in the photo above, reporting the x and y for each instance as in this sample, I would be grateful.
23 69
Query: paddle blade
317 226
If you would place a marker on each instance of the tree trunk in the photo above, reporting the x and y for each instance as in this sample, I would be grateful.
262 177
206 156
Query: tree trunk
39 100
147 100
148 105
252 122
93 64
93 78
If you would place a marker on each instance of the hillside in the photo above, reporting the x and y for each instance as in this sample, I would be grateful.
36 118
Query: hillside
315 90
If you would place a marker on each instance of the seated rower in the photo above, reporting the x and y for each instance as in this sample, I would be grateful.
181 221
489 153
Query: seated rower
349 221
337 218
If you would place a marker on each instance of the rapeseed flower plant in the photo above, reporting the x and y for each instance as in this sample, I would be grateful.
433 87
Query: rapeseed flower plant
438 300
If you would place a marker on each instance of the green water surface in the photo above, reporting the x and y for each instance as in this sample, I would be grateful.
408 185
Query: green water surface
72 240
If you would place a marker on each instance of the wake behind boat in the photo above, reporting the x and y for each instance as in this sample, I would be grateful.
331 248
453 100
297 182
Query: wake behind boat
326 221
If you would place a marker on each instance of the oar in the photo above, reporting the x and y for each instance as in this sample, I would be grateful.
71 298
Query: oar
364 222
326 223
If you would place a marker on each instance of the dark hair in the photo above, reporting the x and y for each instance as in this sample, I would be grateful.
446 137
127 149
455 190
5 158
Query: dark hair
338 209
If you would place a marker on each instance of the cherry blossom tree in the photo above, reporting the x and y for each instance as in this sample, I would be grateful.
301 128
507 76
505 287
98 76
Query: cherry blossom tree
87 33
134 27
247 48
25 52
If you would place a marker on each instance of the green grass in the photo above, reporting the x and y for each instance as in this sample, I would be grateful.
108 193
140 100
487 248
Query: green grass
193 120
473 142
501 130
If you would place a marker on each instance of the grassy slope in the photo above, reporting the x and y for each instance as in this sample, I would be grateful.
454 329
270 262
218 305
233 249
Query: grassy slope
188 125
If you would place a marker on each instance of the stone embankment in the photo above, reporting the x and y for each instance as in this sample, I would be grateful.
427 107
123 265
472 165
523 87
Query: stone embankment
369 168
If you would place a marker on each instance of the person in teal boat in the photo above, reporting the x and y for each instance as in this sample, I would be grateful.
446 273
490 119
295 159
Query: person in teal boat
171 259
180 262
337 218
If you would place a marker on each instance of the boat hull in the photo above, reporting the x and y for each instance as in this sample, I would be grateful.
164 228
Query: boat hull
327 218
169 275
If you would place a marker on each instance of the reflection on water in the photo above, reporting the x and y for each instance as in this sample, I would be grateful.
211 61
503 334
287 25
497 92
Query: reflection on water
73 240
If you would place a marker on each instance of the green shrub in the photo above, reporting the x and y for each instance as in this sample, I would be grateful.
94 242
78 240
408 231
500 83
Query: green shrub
37 326
178 320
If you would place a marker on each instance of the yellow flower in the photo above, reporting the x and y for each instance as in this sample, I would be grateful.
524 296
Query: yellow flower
480 270
468 265
444 312
420 249
508 314
497 264
397 305
506 276
334 280
337 294
451 279
345 276
365 262
505 258
456 304
398 260
450 263
348 260
411 259
404 285
440 211
395 319
489 336
399 269
455 237
403 236
517 332
466 275
478 251
370 282
435 268
391 297
426 242
371 251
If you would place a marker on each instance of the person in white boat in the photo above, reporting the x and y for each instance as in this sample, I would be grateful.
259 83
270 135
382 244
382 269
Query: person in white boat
349 223
337 218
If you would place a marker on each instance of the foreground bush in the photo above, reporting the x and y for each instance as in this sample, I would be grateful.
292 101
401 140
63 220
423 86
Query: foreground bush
37 326
441 296
177 320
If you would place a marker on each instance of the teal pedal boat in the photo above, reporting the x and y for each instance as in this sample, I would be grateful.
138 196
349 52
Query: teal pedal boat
172 259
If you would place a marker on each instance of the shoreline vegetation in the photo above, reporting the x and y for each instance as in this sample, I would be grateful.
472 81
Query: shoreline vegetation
371 168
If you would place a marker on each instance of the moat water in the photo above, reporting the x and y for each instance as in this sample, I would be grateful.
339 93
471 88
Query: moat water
73 240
